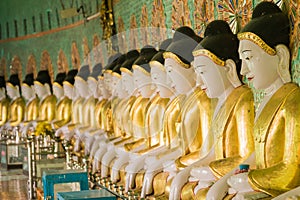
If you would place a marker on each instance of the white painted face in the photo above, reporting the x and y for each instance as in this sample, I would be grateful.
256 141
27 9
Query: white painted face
211 76
81 87
183 79
40 89
100 87
142 82
159 78
68 90
2 93
259 67
92 86
27 91
107 82
128 83
58 91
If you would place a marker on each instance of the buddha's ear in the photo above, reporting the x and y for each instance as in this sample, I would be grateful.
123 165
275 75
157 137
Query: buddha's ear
47 86
283 69
232 73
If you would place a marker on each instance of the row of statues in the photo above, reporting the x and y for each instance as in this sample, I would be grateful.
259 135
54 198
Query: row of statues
179 122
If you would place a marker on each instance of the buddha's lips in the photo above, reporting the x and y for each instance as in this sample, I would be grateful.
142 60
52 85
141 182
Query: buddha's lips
204 89
250 78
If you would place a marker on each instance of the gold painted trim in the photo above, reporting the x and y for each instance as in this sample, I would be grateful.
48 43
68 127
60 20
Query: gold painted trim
257 40
116 75
79 78
68 83
107 71
157 64
57 84
39 83
10 84
101 77
26 85
92 79
176 58
213 57
137 67
125 70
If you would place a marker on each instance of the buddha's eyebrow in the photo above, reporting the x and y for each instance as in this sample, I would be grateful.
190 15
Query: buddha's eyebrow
245 50
200 65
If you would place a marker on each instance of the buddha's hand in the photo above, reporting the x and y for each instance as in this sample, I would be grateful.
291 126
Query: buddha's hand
170 167
203 175
178 182
239 183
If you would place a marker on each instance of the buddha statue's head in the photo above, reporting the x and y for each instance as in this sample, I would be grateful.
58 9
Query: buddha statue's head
13 86
126 71
141 71
42 84
2 87
158 71
264 45
80 84
107 72
216 60
68 84
57 87
92 80
178 58
28 87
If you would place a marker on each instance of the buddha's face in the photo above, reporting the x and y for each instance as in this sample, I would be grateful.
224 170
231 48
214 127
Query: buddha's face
92 86
107 82
127 82
58 90
183 79
2 92
258 67
142 82
159 78
100 86
211 76
27 91
68 90
81 87
11 90
40 89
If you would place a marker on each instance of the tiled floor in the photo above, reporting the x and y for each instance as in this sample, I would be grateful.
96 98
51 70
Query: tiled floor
13 185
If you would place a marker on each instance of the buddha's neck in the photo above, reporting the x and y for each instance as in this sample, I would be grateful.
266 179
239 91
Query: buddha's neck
268 93
222 98
31 99
44 97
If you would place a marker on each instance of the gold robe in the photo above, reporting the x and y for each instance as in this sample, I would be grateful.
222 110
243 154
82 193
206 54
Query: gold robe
98 109
277 143
32 110
63 112
195 126
233 131
47 109
17 111
138 115
4 111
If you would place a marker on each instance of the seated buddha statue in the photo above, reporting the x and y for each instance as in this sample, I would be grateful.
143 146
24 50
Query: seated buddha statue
124 115
32 102
63 89
17 103
137 112
178 57
43 89
230 139
154 140
265 63
4 103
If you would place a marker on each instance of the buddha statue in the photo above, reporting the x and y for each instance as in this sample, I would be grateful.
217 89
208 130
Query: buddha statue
154 140
178 57
64 105
230 141
137 113
265 63
4 103
17 103
43 89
